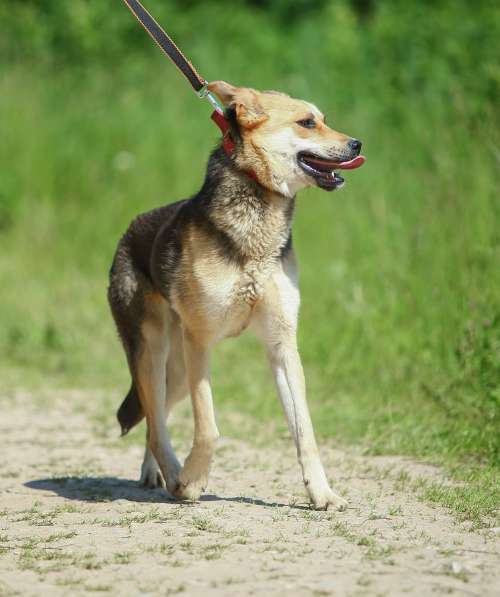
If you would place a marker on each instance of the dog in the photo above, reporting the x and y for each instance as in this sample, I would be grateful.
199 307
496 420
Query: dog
193 272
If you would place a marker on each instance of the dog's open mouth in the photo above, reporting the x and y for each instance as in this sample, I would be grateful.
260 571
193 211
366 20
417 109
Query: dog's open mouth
323 170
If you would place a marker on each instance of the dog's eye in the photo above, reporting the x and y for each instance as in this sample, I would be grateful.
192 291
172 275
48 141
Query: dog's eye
307 123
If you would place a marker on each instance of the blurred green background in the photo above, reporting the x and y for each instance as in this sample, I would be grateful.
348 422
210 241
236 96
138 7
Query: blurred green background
400 271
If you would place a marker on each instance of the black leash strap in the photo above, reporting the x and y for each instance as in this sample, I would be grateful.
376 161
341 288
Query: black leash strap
166 44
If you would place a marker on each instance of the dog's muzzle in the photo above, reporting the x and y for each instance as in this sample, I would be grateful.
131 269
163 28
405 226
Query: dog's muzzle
323 169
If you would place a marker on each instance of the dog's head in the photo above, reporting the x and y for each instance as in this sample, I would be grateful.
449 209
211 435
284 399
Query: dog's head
286 141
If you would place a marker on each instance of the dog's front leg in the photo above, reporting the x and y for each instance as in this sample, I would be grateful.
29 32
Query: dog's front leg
275 320
194 475
289 377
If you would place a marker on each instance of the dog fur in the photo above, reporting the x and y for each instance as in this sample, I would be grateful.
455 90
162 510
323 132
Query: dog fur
194 272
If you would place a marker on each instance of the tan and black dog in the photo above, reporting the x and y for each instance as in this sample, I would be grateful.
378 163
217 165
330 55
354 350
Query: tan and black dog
194 272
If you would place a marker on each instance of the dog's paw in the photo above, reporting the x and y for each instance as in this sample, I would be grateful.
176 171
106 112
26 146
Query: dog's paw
151 477
329 501
193 478
190 490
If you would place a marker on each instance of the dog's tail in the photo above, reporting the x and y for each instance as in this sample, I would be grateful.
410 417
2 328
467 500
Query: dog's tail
130 412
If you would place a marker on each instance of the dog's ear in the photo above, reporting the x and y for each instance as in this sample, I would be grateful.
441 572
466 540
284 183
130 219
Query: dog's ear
224 91
249 112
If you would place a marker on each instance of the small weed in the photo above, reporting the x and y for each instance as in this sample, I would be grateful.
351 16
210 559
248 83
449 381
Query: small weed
242 532
161 548
124 557
35 559
395 511
89 562
212 551
365 541
341 529
186 546
60 536
401 480
203 523
375 552
127 520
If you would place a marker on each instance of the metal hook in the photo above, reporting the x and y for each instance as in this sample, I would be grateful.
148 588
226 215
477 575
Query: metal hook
204 93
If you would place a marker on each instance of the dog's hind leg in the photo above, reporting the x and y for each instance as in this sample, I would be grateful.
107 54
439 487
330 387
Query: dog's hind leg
177 389
151 476
177 381
149 376
144 322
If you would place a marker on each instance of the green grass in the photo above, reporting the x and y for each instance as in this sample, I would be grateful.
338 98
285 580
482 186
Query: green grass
400 276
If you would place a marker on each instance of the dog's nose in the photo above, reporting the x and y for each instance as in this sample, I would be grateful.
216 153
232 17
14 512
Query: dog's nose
355 145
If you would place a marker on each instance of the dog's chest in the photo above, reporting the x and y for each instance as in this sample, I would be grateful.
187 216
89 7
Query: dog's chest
260 239
226 294
250 283
232 287
224 274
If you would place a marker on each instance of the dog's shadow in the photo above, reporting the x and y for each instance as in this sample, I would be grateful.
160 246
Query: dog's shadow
110 489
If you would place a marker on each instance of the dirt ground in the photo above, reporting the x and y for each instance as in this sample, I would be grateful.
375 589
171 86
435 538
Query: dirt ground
73 520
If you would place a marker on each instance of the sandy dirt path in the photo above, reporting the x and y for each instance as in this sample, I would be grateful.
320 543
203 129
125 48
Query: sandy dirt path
74 521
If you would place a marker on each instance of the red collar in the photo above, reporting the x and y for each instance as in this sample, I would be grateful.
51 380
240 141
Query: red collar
223 124
227 141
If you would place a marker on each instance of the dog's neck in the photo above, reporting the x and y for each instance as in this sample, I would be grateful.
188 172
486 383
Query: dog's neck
256 220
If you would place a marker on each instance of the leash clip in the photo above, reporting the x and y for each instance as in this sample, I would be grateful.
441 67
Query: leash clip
218 117
204 93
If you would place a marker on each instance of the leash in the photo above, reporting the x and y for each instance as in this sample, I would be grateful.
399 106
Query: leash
198 83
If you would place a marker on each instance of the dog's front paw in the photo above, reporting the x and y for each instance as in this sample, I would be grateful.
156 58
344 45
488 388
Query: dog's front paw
190 490
328 500
193 478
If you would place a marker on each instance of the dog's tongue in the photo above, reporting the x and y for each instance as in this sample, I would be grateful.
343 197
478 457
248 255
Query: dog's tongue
352 164
326 165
